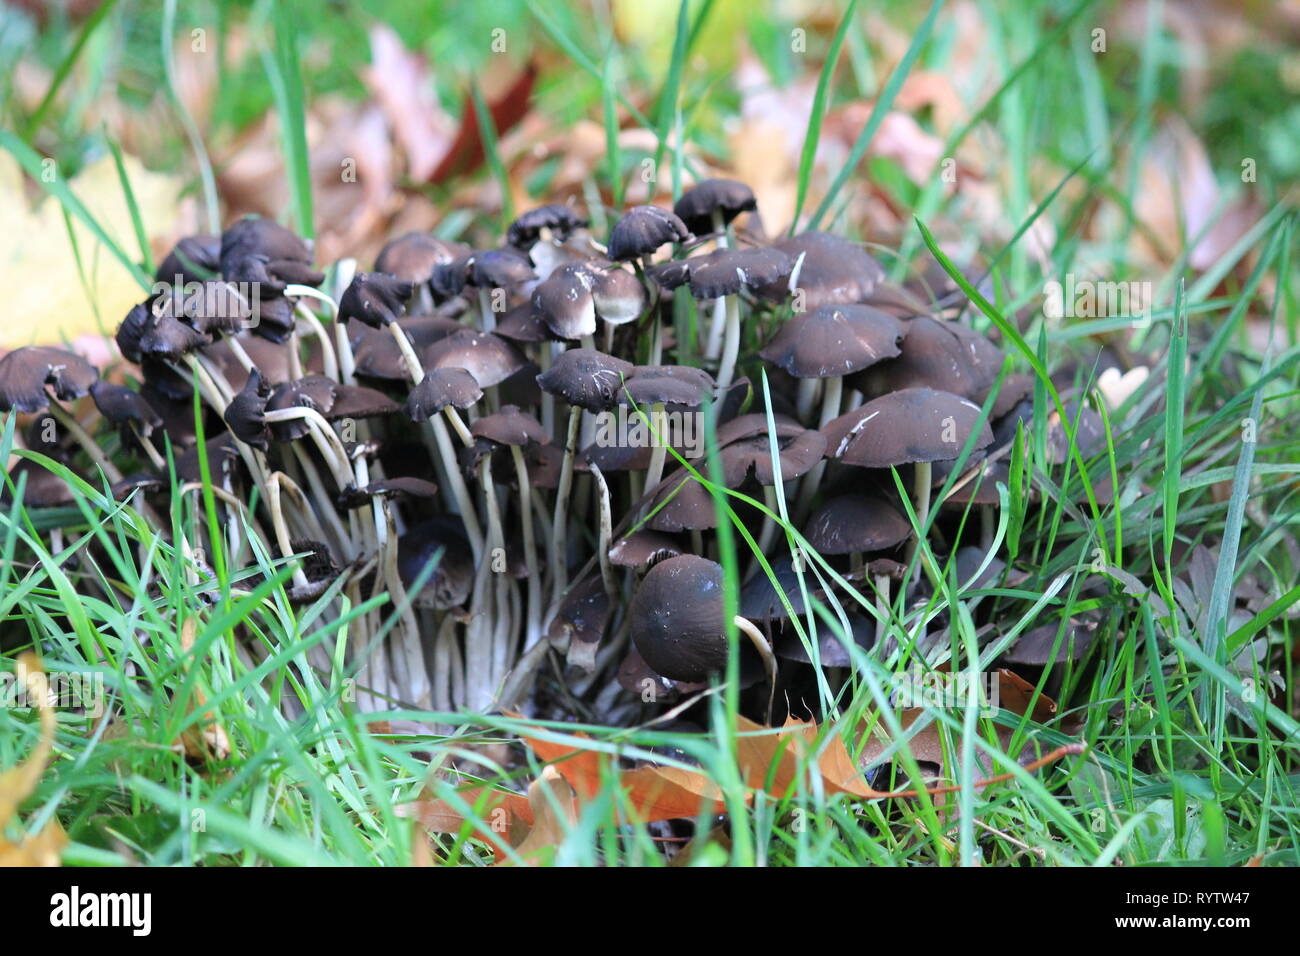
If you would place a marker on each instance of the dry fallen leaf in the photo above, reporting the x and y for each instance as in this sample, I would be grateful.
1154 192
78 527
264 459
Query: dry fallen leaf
207 739
16 784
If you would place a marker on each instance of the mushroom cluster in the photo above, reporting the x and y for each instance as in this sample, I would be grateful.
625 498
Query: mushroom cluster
510 443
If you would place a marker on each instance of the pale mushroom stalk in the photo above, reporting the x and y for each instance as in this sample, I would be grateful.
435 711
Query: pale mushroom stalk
731 343
921 477
764 649
806 397
606 532
533 626
487 318
833 392
280 527
559 551
659 450
713 345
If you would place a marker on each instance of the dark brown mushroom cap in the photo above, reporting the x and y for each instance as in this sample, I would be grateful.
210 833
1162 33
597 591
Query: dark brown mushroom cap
261 250
500 268
167 337
378 356
727 197
1089 432
275 318
850 524
682 386
400 487
618 294
222 454
25 372
583 615
642 549
412 257
798 450
983 488
449 278
1015 389
165 380
642 230
123 406
936 354
907 426
681 503
544 463
441 540
132 329
727 271
212 306
270 358
522 324
677 618
1034 648
586 377
510 426
563 300
333 400
671 274
489 358
374 298
193 259
560 220
147 484
246 413
42 487
760 599
636 676
834 271
831 649
438 389
834 340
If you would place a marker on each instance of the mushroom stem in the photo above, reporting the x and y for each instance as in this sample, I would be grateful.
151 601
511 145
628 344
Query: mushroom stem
487 318
416 686
548 400
278 524
559 551
457 484
413 365
731 343
713 345
764 649
606 532
832 393
533 625
921 477
768 530
807 395
328 356
658 449
497 648
88 444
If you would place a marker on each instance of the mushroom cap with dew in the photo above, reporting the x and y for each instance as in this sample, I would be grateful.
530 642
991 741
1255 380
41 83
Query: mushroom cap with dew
489 358
727 271
587 378
725 197
558 219
677 618
563 300
438 389
834 271
440 542
908 426
124 406
834 340
510 426
682 386
412 257
854 523
374 298
643 549
643 230
246 413
193 259
25 373
618 294
500 268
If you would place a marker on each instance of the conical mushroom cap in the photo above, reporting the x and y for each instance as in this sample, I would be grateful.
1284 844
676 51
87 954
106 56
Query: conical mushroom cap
727 271
727 197
438 389
904 427
374 298
510 426
682 386
262 251
557 218
500 268
643 230
564 302
936 354
25 372
834 340
587 378
834 271
798 450
122 406
489 358
378 355
442 543
677 618
412 257
681 503
849 524
618 294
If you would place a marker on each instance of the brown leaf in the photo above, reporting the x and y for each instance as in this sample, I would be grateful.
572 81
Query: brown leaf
466 152
555 810
17 783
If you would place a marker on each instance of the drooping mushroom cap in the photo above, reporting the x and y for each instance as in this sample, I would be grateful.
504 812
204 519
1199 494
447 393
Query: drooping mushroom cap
438 389
374 298
582 618
449 278
560 220
745 448
489 358
510 426
132 330
377 354
681 503
850 524
834 340
412 257
677 618
42 487
643 230
760 599
726 197
25 372
831 649
193 259
500 268
587 378
904 427
124 406
671 274
834 271
331 399
246 413
618 294
441 540
563 300
262 251
682 386
167 337
400 487
727 271
936 354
